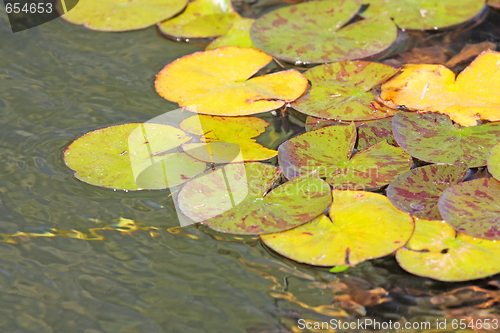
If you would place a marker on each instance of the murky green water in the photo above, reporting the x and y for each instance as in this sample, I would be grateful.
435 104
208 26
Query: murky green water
59 81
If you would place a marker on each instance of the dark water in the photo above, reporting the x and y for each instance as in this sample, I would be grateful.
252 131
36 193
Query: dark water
67 263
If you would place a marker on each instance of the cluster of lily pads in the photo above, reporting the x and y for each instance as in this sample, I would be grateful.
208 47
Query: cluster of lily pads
369 126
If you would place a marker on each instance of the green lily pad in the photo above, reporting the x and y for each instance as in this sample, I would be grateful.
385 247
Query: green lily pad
494 161
201 19
119 156
118 15
437 251
343 91
233 199
369 132
366 226
432 137
329 152
424 14
238 35
417 191
314 32
473 207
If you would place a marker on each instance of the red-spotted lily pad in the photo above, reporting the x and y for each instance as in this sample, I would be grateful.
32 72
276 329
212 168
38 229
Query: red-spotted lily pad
424 14
238 35
437 251
473 207
226 130
329 152
365 226
216 82
130 156
233 199
417 191
118 15
494 161
315 32
343 91
434 138
369 132
201 19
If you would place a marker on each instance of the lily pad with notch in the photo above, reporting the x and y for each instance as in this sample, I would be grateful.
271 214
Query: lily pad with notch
329 151
473 207
237 198
417 191
437 251
434 138
362 226
223 87
343 91
424 14
315 32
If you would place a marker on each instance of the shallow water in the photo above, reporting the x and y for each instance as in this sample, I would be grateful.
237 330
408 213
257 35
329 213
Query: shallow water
59 81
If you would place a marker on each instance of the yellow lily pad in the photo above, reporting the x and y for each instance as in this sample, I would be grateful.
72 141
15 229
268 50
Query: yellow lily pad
201 19
470 98
236 130
238 35
437 251
216 82
119 15
363 226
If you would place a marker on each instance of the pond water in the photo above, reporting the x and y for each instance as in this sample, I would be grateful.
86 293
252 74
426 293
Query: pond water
77 258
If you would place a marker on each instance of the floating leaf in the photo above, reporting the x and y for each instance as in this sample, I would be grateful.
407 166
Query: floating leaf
118 15
473 96
236 130
328 151
366 226
424 14
222 87
493 3
315 32
473 207
437 251
116 156
494 161
201 19
417 191
369 132
238 35
434 138
233 199
343 91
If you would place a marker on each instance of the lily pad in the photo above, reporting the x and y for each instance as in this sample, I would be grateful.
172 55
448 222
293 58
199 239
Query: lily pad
424 14
432 137
329 152
365 226
417 191
494 161
226 130
216 82
118 15
119 156
474 96
238 35
437 251
493 3
473 207
233 199
369 132
315 32
201 19
343 91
